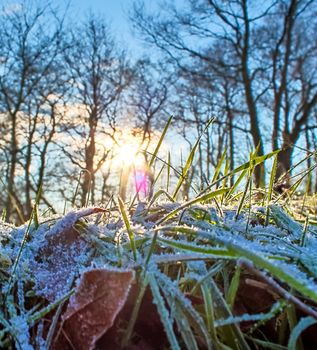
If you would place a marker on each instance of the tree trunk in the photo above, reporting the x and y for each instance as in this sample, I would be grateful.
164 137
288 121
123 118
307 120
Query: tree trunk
90 152
250 101
13 162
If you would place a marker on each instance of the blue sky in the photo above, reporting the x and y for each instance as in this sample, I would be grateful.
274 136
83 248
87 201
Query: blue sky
116 12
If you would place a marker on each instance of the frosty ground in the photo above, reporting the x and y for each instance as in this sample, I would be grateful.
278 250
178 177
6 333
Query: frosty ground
204 277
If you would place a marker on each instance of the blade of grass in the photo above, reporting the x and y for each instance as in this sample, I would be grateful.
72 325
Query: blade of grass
303 324
182 322
200 199
230 334
257 260
195 249
168 171
163 312
136 308
255 161
306 194
248 185
40 314
219 165
77 188
270 189
128 227
242 200
189 161
24 240
158 194
266 344
3 215
169 288
233 288
236 184
292 321
158 146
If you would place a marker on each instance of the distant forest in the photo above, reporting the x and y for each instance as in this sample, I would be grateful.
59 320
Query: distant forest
71 97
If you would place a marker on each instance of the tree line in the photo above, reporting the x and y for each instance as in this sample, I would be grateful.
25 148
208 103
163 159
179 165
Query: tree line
253 64
68 91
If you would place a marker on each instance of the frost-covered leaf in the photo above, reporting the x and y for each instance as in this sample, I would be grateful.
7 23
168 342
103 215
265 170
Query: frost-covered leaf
63 252
63 231
92 310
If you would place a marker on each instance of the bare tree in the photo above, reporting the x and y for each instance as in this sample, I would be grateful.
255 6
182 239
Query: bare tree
100 74
230 44
149 98
29 64
292 74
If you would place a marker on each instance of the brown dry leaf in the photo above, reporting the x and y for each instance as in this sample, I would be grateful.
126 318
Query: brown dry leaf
148 332
63 232
60 256
93 308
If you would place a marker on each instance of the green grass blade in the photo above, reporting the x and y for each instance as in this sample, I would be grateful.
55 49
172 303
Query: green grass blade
219 165
3 214
33 220
189 162
255 161
169 288
248 185
258 260
236 184
261 317
267 345
200 199
186 168
182 322
158 176
231 334
163 312
195 248
233 288
136 308
242 200
168 171
303 324
210 317
158 146
40 314
158 194
128 226
270 189
76 189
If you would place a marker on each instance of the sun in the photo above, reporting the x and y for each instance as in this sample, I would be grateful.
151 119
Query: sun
129 153
126 153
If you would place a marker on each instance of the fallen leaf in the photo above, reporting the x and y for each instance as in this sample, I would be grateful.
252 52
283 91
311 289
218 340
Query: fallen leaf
60 256
148 332
92 310
63 231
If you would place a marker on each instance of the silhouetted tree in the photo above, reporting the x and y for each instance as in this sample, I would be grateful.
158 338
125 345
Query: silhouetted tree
29 74
100 74
264 52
